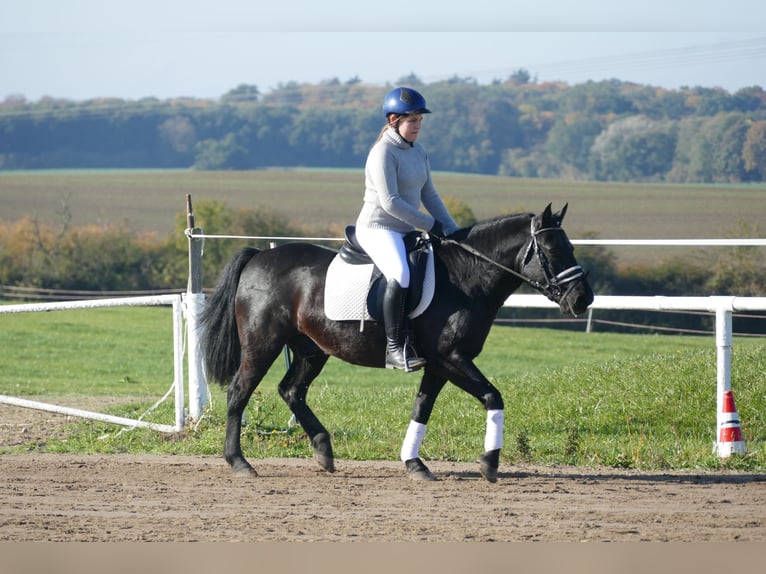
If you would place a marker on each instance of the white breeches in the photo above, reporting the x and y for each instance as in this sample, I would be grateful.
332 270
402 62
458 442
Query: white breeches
386 248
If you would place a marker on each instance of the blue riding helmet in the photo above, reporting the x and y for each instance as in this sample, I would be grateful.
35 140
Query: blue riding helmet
402 101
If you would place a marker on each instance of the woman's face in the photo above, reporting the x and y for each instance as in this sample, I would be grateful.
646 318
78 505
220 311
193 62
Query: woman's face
409 127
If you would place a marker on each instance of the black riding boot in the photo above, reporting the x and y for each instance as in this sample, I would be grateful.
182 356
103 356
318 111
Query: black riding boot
398 355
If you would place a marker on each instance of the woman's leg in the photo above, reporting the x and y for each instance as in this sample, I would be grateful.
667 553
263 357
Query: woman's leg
386 248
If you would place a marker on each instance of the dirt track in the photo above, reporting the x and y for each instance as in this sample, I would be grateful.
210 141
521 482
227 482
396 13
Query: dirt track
179 498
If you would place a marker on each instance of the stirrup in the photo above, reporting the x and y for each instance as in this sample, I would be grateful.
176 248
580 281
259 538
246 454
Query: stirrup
399 359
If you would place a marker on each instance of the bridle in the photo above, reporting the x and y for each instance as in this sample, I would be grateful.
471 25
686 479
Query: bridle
556 286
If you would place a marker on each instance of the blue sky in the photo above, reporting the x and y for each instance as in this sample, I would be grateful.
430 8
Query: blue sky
81 49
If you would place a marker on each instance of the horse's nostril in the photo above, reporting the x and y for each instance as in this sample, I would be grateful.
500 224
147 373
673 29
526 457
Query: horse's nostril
577 304
584 302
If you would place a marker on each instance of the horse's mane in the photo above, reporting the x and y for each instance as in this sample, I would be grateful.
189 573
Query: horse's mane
490 237
490 229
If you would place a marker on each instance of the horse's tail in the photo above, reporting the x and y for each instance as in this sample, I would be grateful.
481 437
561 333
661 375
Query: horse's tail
220 340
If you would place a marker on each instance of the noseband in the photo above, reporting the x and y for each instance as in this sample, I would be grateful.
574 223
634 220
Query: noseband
556 286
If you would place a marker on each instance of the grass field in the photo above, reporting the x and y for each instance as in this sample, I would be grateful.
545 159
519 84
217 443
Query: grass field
643 401
327 200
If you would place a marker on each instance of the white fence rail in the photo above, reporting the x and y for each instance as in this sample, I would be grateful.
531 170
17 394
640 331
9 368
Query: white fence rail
716 242
178 378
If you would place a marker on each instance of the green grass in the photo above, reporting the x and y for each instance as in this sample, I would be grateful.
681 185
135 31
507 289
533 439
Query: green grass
110 352
323 200
639 401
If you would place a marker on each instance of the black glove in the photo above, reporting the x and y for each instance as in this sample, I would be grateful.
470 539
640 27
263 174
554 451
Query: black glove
436 230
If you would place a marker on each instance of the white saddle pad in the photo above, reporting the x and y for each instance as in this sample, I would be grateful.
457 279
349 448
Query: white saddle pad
346 288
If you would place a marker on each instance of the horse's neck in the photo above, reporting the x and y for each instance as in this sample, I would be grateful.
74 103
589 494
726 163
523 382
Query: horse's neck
500 241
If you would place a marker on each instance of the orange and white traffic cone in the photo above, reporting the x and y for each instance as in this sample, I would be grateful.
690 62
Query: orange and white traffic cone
730 439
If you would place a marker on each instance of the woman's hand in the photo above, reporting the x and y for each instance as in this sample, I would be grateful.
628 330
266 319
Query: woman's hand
437 230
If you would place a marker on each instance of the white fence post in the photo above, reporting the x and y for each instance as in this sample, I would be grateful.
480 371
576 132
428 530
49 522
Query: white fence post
723 337
723 340
195 303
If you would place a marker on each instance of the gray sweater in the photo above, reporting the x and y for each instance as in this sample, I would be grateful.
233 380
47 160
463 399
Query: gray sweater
397 179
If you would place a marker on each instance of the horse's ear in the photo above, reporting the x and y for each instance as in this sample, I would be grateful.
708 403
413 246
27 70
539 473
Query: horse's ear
559 216
541 221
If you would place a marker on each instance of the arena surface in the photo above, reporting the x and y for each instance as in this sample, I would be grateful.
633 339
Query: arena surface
126 498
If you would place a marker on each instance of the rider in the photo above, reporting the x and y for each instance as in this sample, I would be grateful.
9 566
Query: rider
397 180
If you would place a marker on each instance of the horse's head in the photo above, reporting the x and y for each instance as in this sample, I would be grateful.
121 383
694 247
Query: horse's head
550 263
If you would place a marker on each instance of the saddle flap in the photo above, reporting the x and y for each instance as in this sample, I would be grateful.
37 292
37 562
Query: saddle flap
354 291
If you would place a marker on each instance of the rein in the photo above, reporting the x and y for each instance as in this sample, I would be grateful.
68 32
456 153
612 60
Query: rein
553 287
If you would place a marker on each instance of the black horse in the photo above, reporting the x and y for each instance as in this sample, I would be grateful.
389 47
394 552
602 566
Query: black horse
272 298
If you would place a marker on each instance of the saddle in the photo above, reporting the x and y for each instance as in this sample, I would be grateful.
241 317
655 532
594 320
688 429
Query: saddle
352 264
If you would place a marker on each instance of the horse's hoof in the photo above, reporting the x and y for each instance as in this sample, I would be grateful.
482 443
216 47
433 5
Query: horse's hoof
323 451
488 465
243 469
326 462
418 471
489 473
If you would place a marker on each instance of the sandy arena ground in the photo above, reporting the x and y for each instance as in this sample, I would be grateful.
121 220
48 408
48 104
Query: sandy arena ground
126 498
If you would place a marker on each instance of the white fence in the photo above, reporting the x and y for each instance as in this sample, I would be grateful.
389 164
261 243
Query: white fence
723 307
178 377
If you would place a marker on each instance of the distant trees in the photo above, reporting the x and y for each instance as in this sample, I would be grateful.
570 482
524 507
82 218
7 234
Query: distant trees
103 258
712 149
571 140
608 130
226 153
754 150
244 93
634 148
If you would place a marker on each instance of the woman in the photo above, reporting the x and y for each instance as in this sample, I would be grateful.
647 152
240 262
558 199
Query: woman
397 181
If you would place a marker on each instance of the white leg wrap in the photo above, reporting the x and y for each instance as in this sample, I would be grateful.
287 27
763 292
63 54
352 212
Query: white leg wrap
412 441
493 439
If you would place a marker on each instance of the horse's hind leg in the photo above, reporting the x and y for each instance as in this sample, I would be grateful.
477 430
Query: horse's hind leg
293 389
239 392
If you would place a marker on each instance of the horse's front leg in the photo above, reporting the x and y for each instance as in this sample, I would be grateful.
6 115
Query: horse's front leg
489 462
465 375
430 387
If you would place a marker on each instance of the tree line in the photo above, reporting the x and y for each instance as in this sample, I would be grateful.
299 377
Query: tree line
607 130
